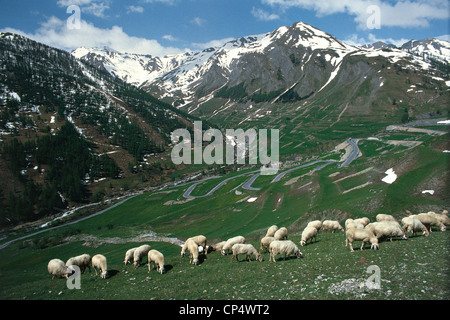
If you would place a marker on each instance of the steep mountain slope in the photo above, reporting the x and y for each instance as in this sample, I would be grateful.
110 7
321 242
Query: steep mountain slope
298 65
66 125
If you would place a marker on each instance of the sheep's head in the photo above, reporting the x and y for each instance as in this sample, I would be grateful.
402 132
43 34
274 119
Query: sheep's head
104 274
298 254
443 228
302 242
375 246
223 252
259 257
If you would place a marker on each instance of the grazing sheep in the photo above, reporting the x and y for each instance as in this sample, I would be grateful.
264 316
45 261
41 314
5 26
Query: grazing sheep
139 253
441 217
281 234
129 255
364 221
429 221
57 268
414 225
271 231
245 248
216 247
331 225
192 247
265 242
308 234
199 240
363 235
230 242
385 217
99 262
157 259
386 229
316 224
82 261
350 223
286 247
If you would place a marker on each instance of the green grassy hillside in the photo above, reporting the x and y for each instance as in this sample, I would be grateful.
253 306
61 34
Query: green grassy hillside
328 270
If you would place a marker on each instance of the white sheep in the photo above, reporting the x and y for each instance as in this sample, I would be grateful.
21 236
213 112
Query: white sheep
129 255
413 225
99 262
316 224
245 248
442 217
386 228
286 247
57 268
429 221
82 261
217 246
331 225
271 231
308 233
199 240
265 242
157 259
350 223
139 253
364 235
385 217
364 221
192 247
230 242
281 234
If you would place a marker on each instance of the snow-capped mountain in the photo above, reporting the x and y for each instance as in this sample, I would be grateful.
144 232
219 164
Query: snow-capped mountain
291 63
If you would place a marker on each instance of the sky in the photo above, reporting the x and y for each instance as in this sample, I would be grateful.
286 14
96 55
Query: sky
162 27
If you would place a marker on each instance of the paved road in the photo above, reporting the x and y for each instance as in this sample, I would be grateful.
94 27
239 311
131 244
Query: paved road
4 245
281 175
353 155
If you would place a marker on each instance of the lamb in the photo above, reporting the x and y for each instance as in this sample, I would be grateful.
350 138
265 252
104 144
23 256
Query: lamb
386 229
265 242
99 262
308 234
414 225
192 247
245 248
199 240
57 268
286 247
316 224
82 261
139 253
281 234
230 242
129 255
157 259
331 225
363 235
271 231
429 221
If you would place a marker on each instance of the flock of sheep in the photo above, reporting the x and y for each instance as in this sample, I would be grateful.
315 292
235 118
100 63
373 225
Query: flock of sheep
275 242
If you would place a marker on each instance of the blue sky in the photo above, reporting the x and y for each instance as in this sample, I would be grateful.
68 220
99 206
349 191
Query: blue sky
160 27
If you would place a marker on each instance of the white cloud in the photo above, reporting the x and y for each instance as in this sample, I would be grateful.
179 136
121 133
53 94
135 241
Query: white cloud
169 37
354 40
137 9
211 44
405 13
263 15
198 21
54 32
94 7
